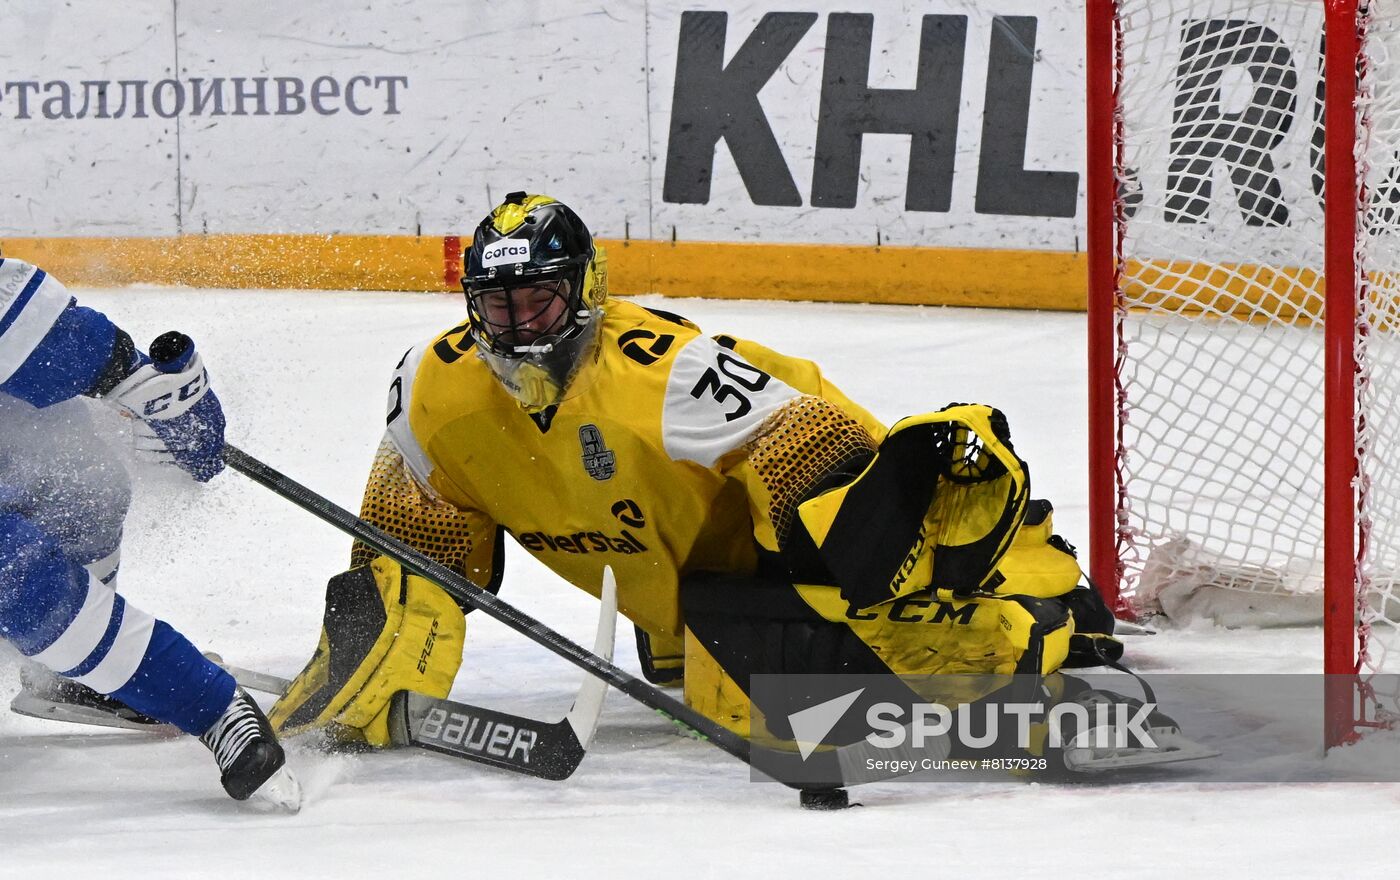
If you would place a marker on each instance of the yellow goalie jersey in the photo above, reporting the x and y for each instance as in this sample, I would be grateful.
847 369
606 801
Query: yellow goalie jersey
674 453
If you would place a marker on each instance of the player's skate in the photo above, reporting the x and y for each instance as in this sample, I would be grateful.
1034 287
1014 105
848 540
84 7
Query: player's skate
1110 731
249 756
45 694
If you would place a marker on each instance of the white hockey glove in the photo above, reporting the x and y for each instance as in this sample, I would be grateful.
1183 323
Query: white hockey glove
179 419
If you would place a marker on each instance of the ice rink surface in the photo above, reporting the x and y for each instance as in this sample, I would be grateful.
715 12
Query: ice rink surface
303 377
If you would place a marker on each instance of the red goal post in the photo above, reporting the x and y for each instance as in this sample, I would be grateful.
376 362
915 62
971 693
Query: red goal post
1243 229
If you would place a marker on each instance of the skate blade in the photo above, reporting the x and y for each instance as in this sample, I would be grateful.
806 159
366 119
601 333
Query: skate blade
281 791
1172 748
35 706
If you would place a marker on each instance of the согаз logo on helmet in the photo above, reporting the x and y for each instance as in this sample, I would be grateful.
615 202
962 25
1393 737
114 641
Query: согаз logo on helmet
506 252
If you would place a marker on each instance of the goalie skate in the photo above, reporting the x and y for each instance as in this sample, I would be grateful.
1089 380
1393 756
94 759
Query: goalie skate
1106 746
1172 748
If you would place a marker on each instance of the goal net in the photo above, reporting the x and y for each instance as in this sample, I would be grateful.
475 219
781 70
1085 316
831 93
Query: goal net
1245 364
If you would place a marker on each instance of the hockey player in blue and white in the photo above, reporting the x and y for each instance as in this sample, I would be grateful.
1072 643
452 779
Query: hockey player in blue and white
63 499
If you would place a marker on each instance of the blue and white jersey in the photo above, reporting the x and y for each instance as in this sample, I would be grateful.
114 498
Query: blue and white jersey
62 503
51 349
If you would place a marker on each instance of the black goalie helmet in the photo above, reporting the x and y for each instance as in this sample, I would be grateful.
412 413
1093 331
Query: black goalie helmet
535 286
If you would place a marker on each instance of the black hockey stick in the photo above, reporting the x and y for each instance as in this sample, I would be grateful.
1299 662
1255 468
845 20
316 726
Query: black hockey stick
489 736
849 763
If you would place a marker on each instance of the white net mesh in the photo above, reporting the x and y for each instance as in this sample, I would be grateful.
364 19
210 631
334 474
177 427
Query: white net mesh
1220 350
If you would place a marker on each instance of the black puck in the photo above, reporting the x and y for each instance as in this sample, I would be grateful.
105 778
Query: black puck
823 799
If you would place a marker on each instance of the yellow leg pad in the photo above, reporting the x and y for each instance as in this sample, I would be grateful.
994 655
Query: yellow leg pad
384 631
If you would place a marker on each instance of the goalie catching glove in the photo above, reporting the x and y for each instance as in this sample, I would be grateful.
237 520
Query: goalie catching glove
937 507
385 630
